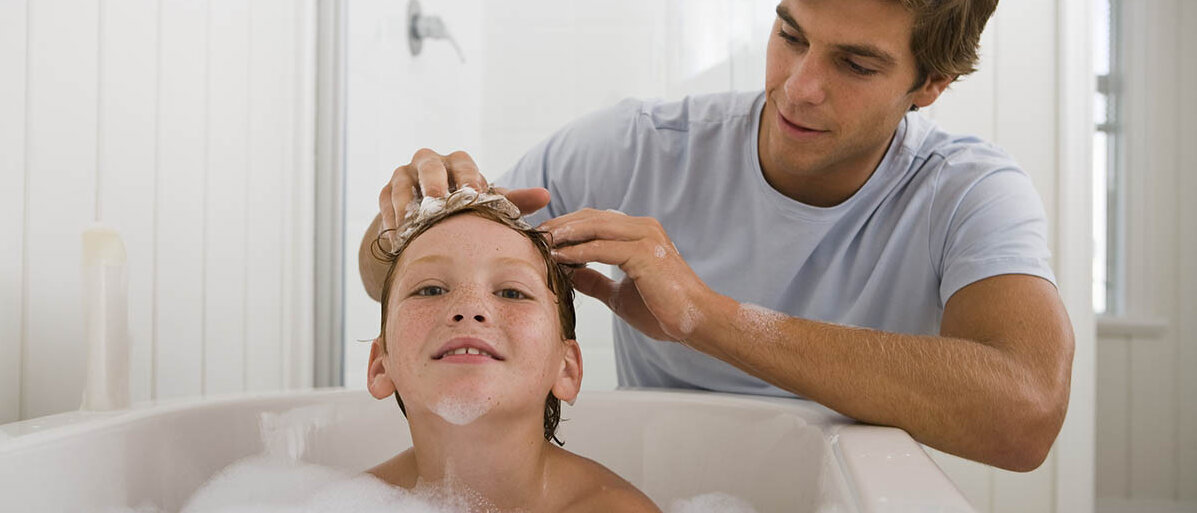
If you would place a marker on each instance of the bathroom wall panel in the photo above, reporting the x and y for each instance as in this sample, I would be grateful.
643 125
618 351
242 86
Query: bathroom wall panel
1113 416
968 106
365 175
973 479
1186 300
126 163
119 109
60 173
1017 492
12 204
267 112
226 238
1159 443
751 26
1151 284
1153 421
182 171
532 66
698 47
299 282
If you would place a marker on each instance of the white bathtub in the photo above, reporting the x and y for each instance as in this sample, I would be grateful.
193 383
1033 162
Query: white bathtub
778 454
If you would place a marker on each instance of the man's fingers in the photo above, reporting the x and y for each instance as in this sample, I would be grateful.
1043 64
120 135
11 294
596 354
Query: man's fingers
528 200
596 285
395 196
434 178
589 224
464 172
385 210
616 253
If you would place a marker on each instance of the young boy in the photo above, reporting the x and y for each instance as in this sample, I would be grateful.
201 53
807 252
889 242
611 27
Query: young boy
478 348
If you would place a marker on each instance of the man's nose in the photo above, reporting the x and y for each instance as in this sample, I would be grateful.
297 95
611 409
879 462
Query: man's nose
808 81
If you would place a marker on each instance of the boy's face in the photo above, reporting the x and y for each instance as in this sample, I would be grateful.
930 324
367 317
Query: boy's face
474 283
838 80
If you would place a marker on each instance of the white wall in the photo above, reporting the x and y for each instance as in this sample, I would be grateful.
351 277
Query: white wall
535 65
1146 411
185 125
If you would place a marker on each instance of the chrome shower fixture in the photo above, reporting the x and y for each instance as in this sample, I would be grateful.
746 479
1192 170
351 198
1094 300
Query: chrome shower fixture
421 27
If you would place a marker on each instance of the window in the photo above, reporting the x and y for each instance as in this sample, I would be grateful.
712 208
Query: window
1107 234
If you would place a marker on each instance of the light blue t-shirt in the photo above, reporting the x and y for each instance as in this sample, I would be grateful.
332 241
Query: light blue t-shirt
940 212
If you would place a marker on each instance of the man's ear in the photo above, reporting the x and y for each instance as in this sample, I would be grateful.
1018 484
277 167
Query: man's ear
934 86
569 380
377 381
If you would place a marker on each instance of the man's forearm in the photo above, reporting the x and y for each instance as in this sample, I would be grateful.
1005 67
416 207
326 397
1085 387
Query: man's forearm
372 270
959 396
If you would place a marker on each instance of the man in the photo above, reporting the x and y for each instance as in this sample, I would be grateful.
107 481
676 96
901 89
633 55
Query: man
910 265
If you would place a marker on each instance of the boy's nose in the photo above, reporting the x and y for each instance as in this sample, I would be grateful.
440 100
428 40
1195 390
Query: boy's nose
477 317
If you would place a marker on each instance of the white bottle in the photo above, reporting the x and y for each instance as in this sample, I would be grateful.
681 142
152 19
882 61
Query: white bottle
106 308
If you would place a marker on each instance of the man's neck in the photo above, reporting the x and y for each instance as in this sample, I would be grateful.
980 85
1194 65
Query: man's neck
506 465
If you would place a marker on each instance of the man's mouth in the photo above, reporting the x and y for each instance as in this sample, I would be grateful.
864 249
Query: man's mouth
798 127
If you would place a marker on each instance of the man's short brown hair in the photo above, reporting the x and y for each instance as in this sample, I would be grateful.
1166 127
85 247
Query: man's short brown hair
946 36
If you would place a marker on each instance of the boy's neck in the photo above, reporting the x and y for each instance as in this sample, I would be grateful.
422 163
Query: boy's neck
504 463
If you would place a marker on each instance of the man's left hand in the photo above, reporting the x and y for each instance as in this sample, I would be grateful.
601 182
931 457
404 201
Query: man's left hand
660 296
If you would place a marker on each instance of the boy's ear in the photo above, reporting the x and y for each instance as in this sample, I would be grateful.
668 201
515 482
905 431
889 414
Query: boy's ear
377 381
569 381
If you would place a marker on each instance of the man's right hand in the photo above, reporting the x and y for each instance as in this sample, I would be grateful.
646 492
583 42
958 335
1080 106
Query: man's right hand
428 174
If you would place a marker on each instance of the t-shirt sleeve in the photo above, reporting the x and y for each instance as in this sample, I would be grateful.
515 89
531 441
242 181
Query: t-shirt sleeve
586 164
997 227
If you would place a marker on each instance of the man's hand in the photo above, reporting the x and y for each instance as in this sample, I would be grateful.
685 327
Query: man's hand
434 175
661 296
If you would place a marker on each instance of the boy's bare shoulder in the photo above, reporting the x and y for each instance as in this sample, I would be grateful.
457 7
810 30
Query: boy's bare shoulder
598 489
617 499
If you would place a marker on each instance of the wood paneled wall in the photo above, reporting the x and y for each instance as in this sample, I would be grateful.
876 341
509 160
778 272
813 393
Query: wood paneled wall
186 125
1147 386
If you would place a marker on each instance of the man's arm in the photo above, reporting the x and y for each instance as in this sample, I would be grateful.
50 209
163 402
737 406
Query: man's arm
993 387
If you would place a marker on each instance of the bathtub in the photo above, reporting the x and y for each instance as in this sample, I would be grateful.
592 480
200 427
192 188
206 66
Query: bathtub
779 454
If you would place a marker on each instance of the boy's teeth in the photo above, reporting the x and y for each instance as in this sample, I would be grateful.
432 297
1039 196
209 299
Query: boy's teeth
466 350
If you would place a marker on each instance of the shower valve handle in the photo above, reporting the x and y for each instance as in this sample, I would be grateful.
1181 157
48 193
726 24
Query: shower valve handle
420 27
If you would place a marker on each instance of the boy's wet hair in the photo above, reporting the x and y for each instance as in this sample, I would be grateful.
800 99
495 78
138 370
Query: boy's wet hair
423 214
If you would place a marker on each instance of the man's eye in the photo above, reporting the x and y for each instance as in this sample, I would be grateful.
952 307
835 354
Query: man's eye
858 69
431 290
511 294
791 39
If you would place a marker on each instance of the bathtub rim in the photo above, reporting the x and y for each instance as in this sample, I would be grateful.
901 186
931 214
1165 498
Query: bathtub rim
883 467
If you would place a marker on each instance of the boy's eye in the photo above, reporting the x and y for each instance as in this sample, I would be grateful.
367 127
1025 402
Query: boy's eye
431 290
511 294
